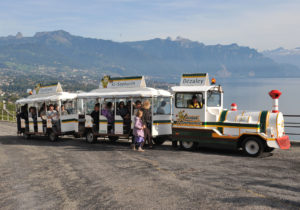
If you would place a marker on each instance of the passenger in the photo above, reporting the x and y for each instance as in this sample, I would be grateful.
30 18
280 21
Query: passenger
24 113
147 122
42 112
52 114
195 104
161 108
109 114
138 131
63 111
128 106
138 105
95 116
32 113
122 110
125 114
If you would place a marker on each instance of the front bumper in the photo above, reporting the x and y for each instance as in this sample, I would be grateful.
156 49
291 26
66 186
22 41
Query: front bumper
284 142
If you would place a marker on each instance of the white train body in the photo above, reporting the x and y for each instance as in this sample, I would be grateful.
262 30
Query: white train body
200 119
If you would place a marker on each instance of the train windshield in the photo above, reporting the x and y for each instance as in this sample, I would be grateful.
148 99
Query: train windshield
213 99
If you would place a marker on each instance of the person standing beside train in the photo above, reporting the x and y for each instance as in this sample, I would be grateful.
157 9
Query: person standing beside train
138 131
147 122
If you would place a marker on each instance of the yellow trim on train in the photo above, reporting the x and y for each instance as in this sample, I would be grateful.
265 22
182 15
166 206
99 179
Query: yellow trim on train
162 123
73 121
193 76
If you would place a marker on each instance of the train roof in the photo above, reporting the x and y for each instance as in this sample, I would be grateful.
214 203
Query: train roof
47 97
125 92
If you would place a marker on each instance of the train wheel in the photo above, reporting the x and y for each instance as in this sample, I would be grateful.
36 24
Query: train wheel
253 146
53 136
188 145
113 138
26 136
90 138
159 140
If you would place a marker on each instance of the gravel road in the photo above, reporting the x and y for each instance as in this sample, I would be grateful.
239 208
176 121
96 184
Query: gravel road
72 174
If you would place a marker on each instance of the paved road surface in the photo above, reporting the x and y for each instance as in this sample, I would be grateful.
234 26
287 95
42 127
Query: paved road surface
71 174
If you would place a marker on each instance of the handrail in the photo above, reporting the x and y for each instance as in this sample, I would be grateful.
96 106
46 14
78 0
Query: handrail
292 123
291 115
295 125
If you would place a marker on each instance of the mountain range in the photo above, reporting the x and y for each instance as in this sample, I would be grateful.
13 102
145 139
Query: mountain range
282 55
74 60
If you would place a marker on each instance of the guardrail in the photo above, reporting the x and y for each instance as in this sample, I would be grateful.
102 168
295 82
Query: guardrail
7 113
292 124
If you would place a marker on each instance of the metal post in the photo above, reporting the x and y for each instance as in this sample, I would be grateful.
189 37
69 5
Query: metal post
2 115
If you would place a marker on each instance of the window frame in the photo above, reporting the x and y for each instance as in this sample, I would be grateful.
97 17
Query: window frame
170 103
220 98
203 100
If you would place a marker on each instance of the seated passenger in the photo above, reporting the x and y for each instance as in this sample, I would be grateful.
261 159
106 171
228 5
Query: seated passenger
108 113
125 114
95 114
24 112
128 106
42 112
51 113
32 113
122 110
195 104
161 108
63 111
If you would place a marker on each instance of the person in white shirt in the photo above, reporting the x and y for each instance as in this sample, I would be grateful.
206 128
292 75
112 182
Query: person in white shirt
51 113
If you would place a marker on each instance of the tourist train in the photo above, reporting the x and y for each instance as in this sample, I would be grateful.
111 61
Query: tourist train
191 114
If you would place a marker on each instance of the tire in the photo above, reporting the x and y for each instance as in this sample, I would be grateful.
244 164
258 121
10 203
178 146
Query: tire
174 144
113 138
159 140
188 145
26 136
253 146
268 149
52 136
90 138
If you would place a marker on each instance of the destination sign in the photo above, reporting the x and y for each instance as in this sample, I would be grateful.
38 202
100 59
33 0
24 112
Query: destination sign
53 88
200 79
122 82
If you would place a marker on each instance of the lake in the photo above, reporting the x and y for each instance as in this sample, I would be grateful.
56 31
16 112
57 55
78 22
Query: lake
252 94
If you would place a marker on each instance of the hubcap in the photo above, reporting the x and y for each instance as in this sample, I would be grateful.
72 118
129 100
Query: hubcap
252 147
90 137
187 145
52 136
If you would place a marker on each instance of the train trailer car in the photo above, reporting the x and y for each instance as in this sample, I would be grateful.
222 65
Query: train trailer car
109 111
47 111
199 119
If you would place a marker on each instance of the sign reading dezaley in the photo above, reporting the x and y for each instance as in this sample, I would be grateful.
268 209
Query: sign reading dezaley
194 79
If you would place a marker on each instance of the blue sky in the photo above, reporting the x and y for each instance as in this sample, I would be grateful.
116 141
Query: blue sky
261 24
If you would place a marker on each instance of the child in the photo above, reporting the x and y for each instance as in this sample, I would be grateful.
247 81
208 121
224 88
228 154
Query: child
138 131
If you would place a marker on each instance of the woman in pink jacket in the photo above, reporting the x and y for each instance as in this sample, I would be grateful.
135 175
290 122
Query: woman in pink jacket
138 131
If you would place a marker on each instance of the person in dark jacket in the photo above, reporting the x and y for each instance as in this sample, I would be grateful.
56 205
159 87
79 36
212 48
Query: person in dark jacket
147 122
95 116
